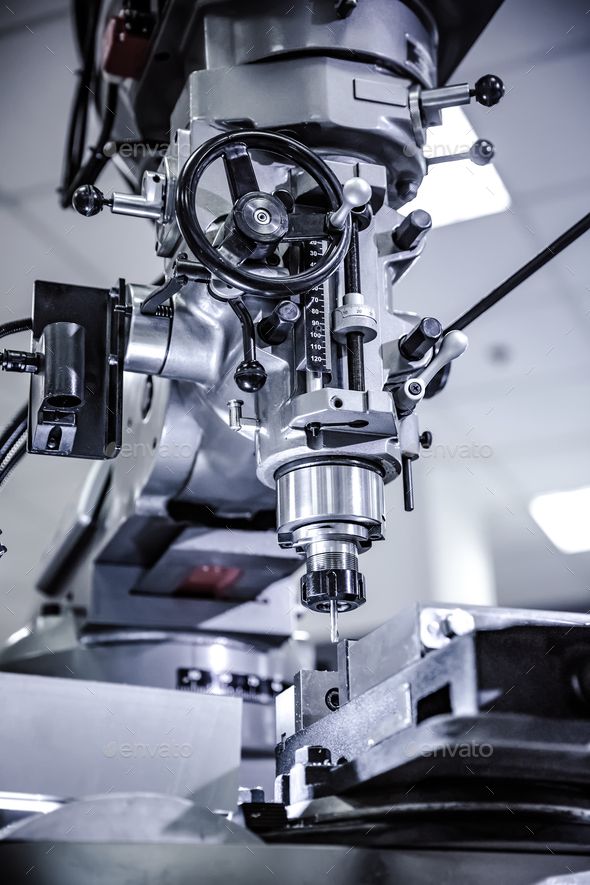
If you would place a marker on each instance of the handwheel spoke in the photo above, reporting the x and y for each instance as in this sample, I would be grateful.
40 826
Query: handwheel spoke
307 227
239 170
233 248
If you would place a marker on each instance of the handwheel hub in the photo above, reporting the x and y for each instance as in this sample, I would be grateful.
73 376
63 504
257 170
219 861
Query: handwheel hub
261 217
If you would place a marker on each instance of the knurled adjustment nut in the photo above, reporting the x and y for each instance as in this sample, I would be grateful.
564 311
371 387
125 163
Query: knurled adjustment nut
354 315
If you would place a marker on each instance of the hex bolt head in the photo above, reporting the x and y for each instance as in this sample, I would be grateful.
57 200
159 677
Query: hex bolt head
250 794
457 623
313 755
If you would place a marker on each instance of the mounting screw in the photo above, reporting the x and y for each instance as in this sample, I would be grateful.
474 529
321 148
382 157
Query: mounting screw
407 188
488 90
426 439
415 388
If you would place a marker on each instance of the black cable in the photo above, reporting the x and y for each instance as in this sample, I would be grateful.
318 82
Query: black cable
535 264
11 434
86 17
7 466
18 426
90 171
15 326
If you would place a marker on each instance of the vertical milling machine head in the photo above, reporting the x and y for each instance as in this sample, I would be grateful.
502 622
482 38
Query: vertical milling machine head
276 211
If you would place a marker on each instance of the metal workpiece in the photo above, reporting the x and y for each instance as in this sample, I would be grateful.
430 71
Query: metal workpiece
423 693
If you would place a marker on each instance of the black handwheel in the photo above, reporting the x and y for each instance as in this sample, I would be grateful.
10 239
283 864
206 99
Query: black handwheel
259 221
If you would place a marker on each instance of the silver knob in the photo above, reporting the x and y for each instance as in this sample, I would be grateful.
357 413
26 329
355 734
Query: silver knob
454 344
235 414
356 194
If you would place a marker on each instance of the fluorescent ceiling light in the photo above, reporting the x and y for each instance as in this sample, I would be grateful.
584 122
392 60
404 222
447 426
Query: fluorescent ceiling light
458 190
565 518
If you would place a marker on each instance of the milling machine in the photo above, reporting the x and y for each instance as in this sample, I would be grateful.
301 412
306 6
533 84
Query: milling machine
247 410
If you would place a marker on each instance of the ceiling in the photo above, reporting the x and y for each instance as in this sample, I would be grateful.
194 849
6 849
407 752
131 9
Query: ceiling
515 418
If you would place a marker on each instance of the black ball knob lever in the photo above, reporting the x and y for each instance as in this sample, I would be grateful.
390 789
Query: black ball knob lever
89 200
250 376
488 90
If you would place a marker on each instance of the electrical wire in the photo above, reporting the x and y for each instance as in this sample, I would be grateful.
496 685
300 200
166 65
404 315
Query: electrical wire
89 172
522 274
13 432
14 327
86 15
12 458
13 439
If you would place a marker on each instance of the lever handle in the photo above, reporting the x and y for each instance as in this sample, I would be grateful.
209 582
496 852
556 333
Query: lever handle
89 200
481 153
356 194
453 345
488 90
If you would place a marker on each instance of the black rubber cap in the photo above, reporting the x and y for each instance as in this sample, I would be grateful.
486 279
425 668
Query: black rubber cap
416 344
412 229
482 152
